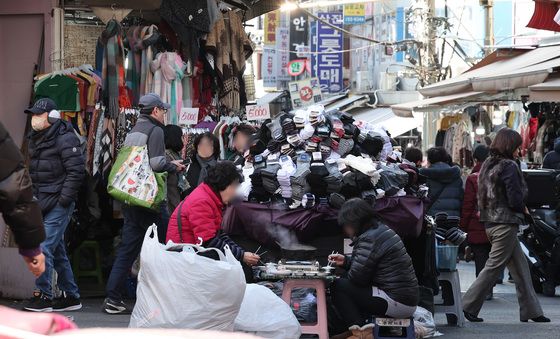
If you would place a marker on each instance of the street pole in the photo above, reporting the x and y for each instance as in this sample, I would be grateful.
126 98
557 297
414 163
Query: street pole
431 48
489 25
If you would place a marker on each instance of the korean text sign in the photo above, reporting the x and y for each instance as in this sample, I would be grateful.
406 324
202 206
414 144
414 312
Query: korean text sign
329 63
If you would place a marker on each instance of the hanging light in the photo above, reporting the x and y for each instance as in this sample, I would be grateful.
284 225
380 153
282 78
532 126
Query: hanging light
480 130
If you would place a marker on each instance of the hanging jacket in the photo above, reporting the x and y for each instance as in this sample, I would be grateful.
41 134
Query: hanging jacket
20 211
379 259
56 165
446 188
470 218
201 220
552 158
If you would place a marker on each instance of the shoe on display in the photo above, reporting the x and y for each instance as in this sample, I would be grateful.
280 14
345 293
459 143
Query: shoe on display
66 303
111 306
39 303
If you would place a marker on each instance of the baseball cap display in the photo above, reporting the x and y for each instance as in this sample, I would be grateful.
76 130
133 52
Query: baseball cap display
41 106
152 100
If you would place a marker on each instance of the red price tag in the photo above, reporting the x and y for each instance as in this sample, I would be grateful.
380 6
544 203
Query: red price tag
306 93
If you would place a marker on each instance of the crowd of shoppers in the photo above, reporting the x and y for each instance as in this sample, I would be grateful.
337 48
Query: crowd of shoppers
380 279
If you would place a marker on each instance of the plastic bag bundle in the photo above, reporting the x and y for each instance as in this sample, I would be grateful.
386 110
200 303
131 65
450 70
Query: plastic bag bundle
179 289
266 315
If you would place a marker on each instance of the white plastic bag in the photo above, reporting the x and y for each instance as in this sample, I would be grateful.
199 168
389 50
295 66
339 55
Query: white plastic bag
424 318
185 290
266 315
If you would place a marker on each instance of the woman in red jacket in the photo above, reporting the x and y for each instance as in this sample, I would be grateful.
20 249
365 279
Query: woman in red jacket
198 218
470 222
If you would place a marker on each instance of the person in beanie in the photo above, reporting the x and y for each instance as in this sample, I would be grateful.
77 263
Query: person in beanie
147 131
56 169
20 211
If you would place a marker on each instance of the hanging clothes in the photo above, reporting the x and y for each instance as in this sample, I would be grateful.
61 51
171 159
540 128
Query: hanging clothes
168 69
230 46
150 35
113 67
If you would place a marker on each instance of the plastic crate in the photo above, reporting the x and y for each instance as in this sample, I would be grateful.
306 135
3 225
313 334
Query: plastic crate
446 257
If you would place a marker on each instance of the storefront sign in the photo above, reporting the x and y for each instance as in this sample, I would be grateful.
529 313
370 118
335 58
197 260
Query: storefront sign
313 44
269 66
299 32
258 112
296 67
305 92
270 23
354 14
329 64
188 116
282 55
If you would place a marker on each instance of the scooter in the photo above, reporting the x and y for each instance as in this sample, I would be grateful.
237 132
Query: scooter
540 239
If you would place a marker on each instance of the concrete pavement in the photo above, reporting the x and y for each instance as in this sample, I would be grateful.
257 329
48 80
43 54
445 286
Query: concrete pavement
501 315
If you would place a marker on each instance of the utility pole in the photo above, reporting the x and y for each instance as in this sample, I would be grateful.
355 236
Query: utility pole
489 25
431 49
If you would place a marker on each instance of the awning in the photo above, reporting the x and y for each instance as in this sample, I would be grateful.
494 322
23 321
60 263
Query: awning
386 118
345 102
405 110
520 71
546 91
543 16
270 97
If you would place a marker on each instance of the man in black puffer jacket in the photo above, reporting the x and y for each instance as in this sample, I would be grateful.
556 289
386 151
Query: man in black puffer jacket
57 169
381 280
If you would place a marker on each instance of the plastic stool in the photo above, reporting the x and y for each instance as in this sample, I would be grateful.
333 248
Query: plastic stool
94 273
321 327
454 312
406 324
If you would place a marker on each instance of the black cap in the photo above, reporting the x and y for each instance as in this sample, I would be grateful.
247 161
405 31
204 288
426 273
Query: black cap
41 106
152 100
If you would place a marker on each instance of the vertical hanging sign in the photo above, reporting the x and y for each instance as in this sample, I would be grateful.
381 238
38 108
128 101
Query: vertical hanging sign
329 63
269 66
299 32
270 24
282 55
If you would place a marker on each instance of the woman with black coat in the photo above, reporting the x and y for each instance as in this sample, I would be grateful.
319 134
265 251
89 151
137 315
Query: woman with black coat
205 155
381 281
501 202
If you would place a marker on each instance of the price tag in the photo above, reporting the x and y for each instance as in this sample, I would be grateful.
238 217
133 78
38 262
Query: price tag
188 116
258 112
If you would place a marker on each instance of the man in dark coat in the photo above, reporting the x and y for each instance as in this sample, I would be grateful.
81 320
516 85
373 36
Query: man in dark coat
444 182
20 211
57 170
552 158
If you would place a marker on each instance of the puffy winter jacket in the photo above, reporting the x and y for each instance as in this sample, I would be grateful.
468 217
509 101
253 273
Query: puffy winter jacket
446 188
379 259
201 219
20 211
56 166
470 218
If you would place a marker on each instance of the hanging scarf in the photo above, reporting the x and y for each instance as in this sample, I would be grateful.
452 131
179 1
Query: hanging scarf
150 36
134 62
204 165
113 57
107 148
168 68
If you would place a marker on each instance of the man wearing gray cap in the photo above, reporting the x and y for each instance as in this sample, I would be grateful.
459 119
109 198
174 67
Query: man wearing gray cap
147 131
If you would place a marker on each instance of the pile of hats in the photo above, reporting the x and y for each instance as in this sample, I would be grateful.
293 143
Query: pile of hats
447 229
311 156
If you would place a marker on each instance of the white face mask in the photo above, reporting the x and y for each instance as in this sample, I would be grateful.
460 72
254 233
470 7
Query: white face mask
39 122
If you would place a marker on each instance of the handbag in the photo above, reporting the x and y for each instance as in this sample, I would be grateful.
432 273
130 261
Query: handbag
132 180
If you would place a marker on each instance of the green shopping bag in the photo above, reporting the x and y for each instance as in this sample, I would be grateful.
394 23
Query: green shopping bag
132 180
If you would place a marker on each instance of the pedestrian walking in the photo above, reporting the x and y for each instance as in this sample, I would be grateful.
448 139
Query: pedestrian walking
147 131
501 196
20 211
57 169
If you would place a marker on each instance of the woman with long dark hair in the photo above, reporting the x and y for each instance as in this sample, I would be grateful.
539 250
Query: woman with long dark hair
205 155
501 201
176 183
